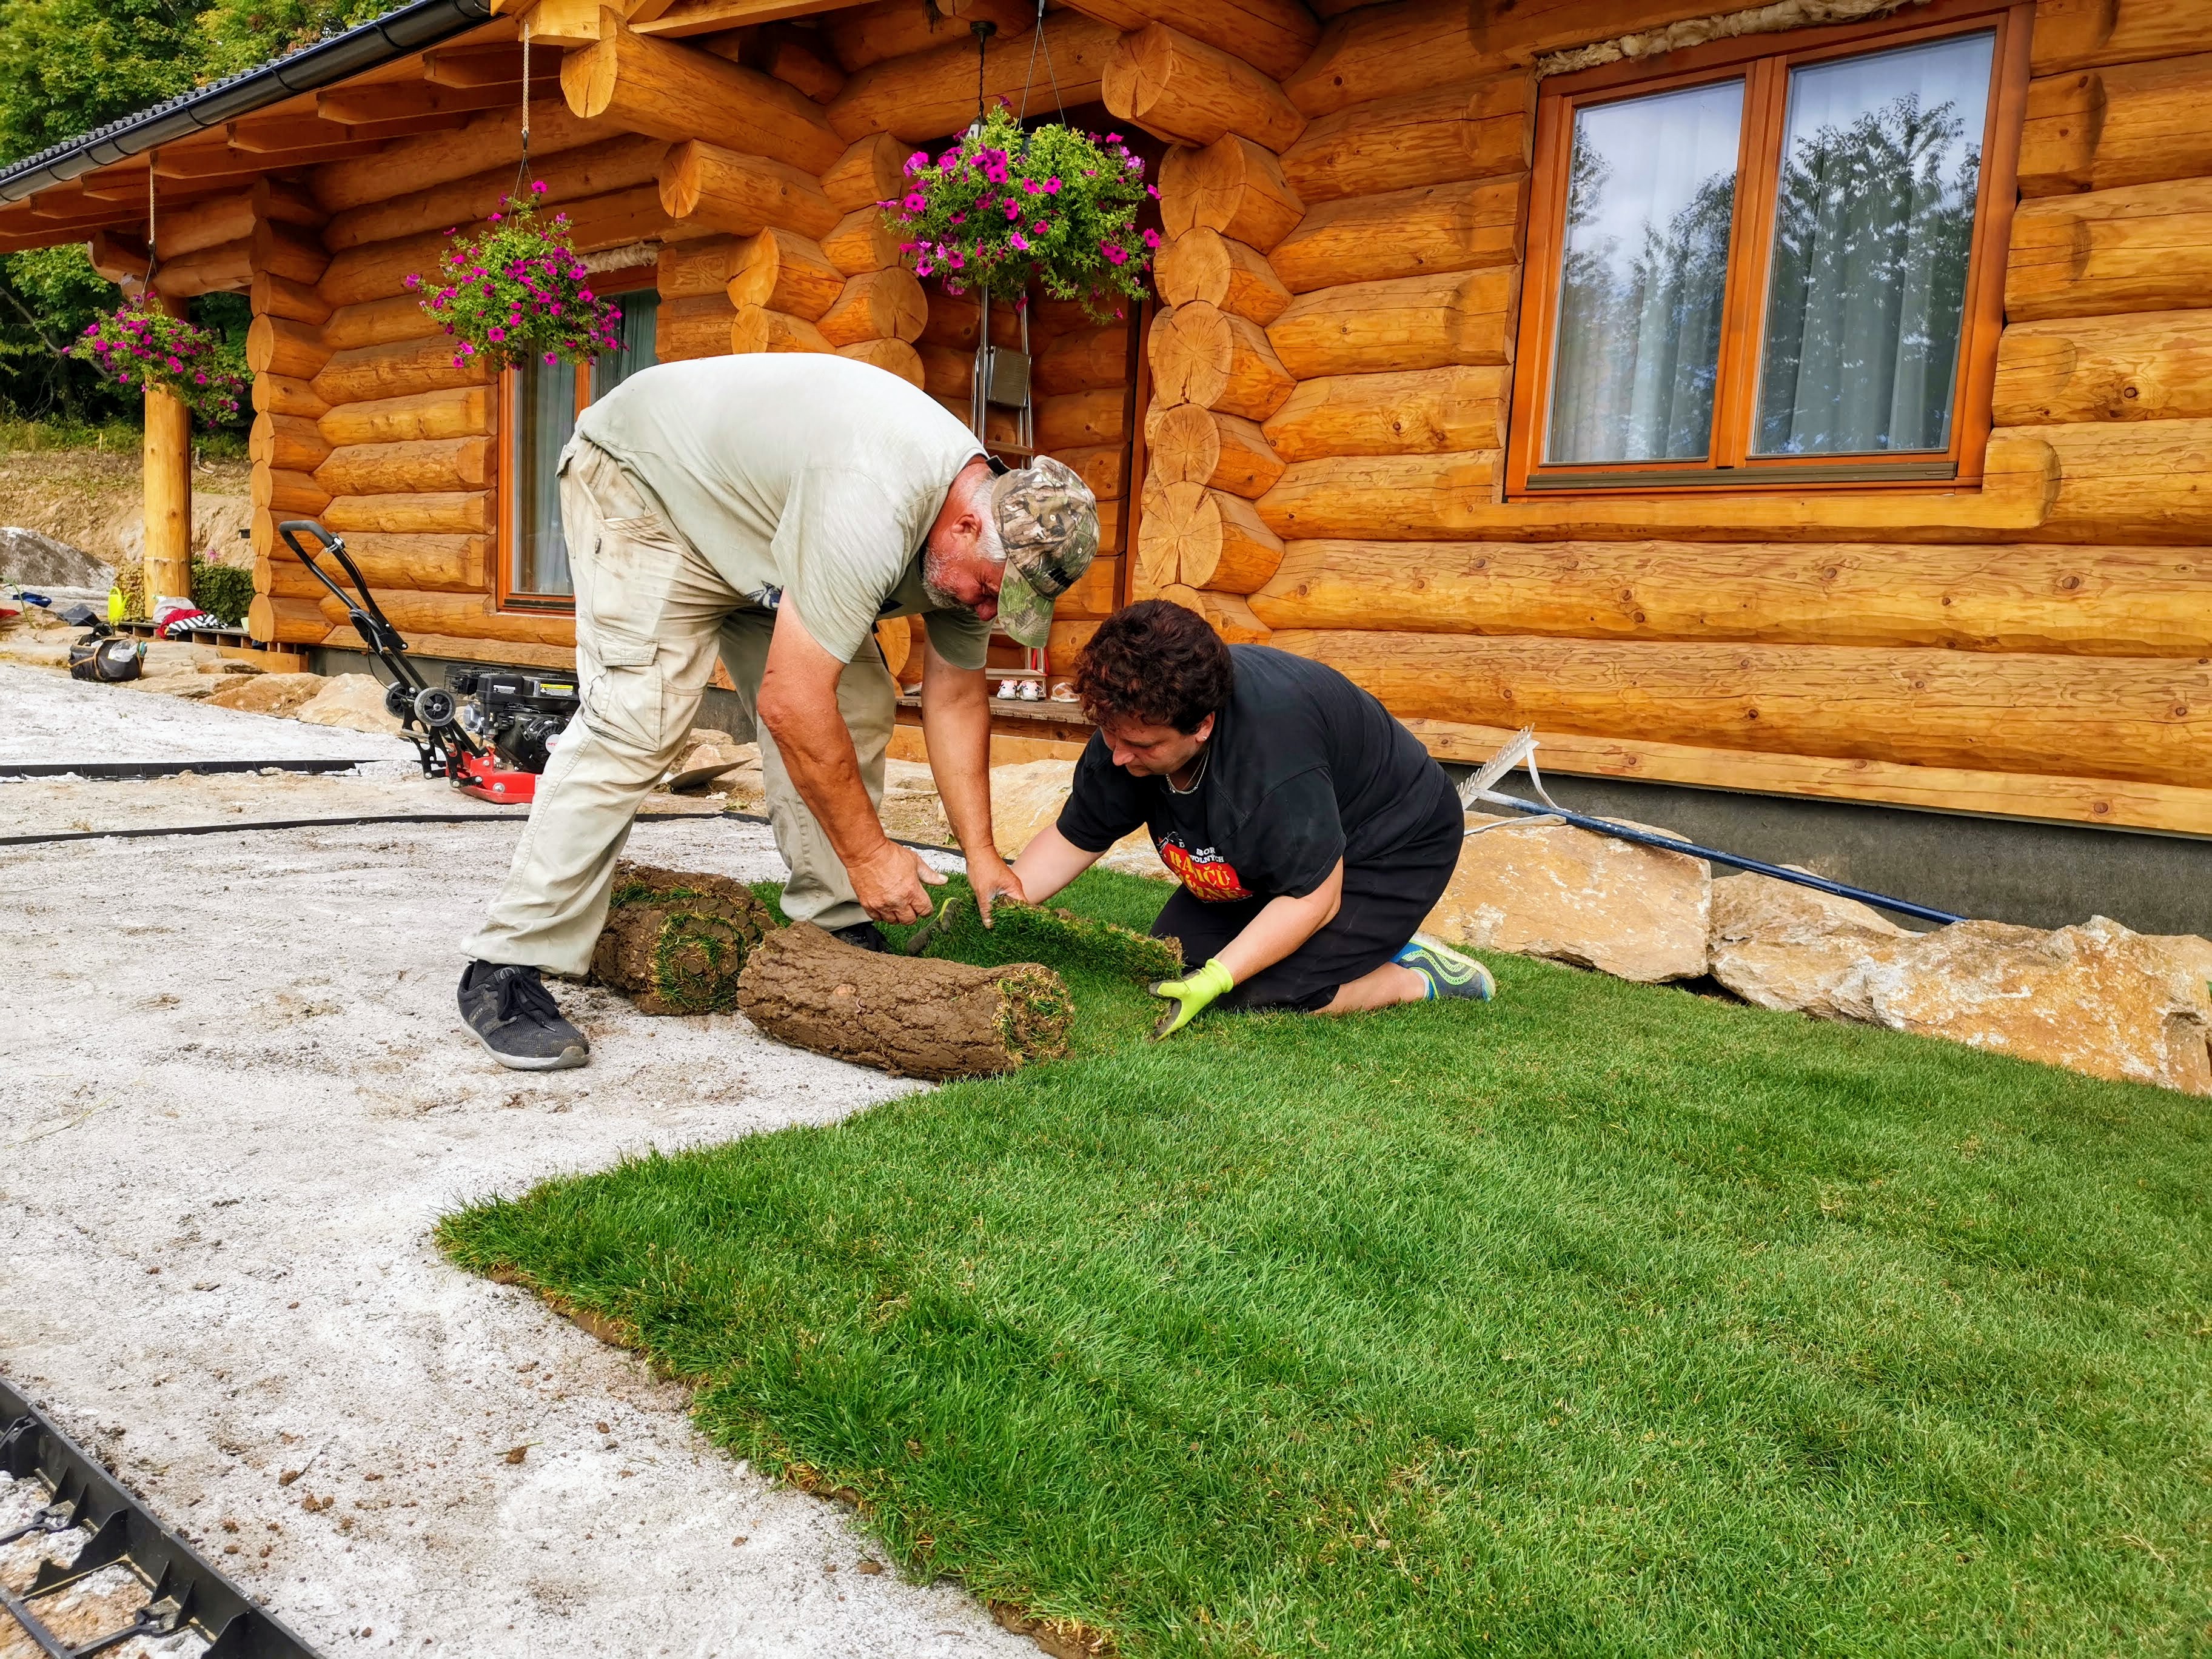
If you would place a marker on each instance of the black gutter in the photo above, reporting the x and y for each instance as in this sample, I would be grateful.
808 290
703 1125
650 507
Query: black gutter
369 45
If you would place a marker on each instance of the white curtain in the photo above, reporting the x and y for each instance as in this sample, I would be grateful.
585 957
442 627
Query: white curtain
1651 193
545 411
1873 223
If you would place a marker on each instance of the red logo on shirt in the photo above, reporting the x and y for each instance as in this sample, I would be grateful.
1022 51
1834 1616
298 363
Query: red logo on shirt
1207 875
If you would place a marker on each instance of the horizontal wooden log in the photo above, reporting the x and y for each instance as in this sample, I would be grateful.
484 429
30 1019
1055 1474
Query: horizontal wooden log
1103 467
491 140
225 269
861 241
1404 232
1187 444
679 93
208 222
1092 597
861 35
893 356
463 413
370 373
2151 366
293 252
2129 123
466 616
272 296
1203 356
2097 601
1406 323
2082 34
956 320
445 511
697 326
1274 36
588 170
380 269
287 494
784 272
457 564
1085 360
1204 265
703 265
379 322
742 194
1392 52
1203 538
871 170
1001 427
417 467
924 96
626 218
2140 481
755 328
1429 411
1234 186
1433 137
1080 419
288 443
876 304
795 56
2047 799
1189 93
2125 717
285 622
948 373
278 345
280 394
1393 497
1228 614
2143 247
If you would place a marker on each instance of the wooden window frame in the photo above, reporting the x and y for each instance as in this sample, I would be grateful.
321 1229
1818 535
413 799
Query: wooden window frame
505 505
1763 63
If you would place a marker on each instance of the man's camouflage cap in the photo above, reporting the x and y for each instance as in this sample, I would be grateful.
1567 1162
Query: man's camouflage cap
1049 521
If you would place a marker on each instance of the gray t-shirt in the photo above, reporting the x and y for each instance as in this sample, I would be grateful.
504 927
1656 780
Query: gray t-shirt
798 473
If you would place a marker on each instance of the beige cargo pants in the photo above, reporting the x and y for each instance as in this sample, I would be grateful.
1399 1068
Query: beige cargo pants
651 617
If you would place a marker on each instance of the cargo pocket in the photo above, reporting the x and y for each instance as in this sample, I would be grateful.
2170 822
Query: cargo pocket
623 702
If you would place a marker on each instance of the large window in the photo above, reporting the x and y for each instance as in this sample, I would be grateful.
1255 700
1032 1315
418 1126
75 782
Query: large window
1778 263
539 403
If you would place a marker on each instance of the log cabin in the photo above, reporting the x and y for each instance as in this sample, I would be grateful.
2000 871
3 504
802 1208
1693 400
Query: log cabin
1801 414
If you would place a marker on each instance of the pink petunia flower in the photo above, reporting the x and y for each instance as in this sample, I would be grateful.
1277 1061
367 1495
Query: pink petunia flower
1151 239
915 203
1115 256
1018 242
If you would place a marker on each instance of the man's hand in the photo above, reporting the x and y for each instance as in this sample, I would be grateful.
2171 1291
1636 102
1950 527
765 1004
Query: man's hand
889 883
994 878
1191 995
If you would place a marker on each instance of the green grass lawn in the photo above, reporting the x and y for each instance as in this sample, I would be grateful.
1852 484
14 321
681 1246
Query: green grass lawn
1601 1319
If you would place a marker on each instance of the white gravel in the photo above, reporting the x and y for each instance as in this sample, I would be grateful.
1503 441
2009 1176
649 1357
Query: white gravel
238 1098
51 719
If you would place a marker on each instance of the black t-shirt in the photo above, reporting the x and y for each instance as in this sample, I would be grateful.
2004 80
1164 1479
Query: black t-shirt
1304 769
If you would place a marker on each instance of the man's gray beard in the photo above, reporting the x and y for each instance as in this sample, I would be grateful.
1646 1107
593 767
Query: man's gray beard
933 565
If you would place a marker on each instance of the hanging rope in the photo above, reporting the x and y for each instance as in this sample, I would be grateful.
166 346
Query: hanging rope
151 162
1037 39
522 166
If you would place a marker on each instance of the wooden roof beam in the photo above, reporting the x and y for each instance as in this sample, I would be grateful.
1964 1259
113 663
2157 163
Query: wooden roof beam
473 66
387 103
712 16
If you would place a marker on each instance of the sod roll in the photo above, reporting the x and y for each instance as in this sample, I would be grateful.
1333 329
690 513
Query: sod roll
676 942
907 1016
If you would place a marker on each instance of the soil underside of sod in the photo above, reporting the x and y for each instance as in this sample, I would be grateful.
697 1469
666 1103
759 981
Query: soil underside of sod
1598 1319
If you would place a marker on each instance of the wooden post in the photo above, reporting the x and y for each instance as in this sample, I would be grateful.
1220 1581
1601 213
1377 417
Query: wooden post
167 459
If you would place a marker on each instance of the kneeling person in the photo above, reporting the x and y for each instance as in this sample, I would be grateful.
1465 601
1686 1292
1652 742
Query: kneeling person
1311 832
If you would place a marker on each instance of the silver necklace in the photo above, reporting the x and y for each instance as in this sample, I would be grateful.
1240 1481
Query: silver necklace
1197 777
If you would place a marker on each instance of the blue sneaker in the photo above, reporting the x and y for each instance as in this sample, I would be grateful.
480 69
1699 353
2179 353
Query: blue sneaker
1447 972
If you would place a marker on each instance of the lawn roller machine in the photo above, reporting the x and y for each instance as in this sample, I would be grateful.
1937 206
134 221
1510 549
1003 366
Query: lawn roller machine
488 732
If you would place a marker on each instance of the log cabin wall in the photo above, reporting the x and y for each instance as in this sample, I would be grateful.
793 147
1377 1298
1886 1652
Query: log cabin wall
1333 373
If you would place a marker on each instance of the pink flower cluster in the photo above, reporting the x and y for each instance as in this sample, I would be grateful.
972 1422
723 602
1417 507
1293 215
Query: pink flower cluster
138 344
518 289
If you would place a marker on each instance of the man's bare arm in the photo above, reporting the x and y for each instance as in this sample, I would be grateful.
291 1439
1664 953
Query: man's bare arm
955 724
799 706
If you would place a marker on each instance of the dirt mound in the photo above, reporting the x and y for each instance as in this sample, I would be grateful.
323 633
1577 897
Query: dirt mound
94 500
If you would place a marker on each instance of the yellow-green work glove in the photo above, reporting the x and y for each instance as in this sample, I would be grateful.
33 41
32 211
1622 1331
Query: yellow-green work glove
1191 994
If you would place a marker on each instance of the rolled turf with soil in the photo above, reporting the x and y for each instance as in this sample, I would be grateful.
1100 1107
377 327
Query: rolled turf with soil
1599 1319
675 941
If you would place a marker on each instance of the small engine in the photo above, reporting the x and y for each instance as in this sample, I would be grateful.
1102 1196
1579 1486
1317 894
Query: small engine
520 715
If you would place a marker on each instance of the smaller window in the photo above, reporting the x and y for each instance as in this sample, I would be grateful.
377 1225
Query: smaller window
1776 263
539 403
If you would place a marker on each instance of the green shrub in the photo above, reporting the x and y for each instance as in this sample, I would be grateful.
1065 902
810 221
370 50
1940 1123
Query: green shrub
224 591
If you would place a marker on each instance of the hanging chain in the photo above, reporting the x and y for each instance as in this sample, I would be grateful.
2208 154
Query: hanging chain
1037 39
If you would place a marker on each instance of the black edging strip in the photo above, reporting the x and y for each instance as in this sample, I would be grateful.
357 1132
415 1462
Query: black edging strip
141 771
180 1586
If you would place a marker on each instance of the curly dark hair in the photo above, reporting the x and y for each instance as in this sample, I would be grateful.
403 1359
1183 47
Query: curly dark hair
1155 662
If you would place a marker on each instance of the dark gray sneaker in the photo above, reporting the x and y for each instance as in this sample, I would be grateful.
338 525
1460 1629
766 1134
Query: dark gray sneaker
862 936
516 1019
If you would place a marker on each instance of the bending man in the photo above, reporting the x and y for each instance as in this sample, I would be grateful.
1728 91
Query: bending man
771 508
1311 832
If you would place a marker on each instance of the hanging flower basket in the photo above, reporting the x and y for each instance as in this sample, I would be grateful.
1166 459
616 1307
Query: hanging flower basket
138 344
518 289
1004 209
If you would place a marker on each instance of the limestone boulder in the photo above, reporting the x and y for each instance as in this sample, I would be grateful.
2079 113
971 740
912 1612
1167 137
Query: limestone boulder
1027 798
1780 946
352 702
2098 998
40 561
911 810
1577 897
268 693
